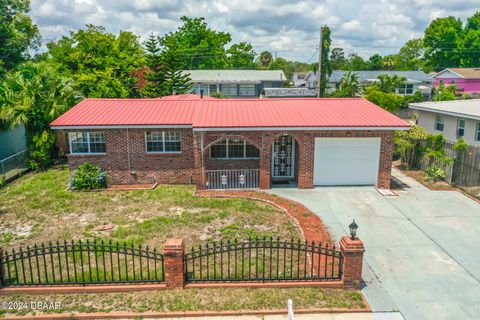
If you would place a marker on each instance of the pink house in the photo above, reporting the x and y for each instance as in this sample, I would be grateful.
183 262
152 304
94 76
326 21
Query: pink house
467 80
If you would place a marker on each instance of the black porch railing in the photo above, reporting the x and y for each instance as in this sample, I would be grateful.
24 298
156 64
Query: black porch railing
233 179
263 260
81 262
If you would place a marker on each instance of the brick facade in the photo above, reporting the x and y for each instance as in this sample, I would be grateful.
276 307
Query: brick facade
174 254
353 251
174 168
190 165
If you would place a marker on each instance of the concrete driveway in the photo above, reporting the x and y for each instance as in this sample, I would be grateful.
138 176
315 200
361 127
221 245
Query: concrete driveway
422 248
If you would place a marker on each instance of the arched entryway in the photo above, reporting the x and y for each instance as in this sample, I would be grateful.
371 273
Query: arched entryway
284 160
232 162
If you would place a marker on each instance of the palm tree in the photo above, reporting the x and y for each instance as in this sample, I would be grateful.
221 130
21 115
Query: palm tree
34 95
265 59
349 86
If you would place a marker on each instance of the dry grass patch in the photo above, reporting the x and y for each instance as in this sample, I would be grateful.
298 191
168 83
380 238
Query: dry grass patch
215 299
37 208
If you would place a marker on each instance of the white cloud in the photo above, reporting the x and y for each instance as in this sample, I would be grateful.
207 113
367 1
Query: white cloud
289 28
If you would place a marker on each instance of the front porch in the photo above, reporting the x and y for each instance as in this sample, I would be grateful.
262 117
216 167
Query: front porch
247 160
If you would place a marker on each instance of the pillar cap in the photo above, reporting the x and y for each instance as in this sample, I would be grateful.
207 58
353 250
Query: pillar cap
347 244
173 244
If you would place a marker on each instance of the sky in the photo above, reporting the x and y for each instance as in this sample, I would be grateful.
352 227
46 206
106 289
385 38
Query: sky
285 27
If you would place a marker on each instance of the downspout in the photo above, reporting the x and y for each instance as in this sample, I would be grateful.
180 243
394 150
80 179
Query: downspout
202 158
128 153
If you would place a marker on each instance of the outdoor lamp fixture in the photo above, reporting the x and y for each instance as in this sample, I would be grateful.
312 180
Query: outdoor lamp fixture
353 229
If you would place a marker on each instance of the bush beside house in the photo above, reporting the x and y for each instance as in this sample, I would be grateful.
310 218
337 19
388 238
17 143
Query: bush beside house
88 177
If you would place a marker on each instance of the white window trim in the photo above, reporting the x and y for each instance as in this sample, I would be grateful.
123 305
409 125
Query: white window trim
163 142
88 142
458 127
234 158
439 119
477 132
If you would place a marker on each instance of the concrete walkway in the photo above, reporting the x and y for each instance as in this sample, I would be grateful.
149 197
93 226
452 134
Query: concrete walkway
422 248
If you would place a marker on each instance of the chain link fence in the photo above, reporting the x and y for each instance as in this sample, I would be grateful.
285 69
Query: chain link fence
13 166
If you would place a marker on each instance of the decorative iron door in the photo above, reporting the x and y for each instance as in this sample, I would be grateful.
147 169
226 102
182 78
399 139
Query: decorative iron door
283 158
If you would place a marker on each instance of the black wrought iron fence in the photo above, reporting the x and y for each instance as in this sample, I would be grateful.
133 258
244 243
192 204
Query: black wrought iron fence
263 260
81 262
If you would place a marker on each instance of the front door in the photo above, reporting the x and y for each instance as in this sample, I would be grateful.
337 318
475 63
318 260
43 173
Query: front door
283 158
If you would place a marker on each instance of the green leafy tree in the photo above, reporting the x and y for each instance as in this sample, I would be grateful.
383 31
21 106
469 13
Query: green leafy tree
389 84
34 95
349 86
444 93
154 74
265 59
241 56
101 63
441 41
200 47
375 62
17 33
337 59
411 55
408 145
326 66
175 80
387 100
470 45
355 62
389 62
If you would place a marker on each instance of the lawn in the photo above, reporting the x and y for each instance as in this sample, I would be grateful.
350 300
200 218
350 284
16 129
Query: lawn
38 208
215 299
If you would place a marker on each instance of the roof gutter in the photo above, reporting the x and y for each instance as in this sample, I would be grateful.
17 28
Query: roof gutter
406 127
448 113
66 127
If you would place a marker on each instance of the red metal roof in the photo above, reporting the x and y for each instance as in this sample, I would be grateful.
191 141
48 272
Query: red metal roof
229 113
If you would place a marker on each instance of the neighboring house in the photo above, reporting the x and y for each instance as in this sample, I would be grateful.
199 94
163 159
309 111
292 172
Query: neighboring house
454 119
12 141
288 93
467 80
415 80
234 143
298 79
236 83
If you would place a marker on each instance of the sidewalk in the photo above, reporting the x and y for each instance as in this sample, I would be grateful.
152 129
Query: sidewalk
323 316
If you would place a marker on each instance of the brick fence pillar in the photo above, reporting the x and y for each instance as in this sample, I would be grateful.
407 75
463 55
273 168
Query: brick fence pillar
352 261
173 252
2 269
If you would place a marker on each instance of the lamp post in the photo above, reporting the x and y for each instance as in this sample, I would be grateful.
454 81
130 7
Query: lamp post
353 229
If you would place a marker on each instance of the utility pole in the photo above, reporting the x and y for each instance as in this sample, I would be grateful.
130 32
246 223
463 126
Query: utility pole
319 62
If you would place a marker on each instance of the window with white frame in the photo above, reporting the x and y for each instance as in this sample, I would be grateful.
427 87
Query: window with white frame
246 90
460 128
163 141
229 89
234 148
439 123
407 88
477 132
87 142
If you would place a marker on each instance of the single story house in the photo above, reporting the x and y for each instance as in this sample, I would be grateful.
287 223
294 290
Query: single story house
234 143
454 119
415 80
236 83
298 79
467 80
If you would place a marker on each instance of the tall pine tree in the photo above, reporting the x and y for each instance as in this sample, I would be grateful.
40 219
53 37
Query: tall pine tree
154 74
175 80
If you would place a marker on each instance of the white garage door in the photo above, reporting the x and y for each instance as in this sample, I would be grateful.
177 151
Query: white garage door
346 161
